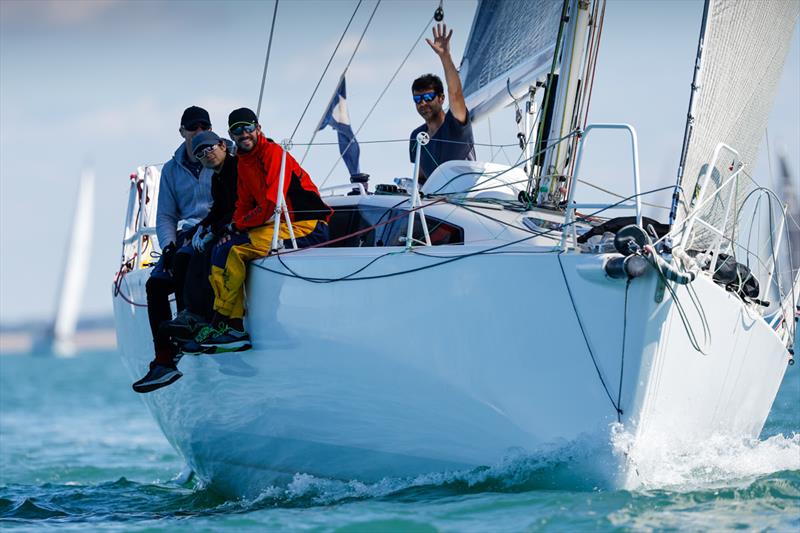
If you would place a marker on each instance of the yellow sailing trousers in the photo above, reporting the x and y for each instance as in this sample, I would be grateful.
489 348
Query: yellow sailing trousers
229 268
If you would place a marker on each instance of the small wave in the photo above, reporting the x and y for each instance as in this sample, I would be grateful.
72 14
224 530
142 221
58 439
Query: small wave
28 509
578 466
669 462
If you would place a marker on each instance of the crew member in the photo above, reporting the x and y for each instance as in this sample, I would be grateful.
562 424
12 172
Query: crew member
184 198
450 132
250 233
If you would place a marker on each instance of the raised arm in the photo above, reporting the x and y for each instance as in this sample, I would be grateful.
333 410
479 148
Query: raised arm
441 46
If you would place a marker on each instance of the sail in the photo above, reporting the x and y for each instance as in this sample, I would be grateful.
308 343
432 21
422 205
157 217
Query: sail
511 44
742 50
75 267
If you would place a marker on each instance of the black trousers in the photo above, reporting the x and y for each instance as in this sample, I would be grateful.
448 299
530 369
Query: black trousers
198 295
159 287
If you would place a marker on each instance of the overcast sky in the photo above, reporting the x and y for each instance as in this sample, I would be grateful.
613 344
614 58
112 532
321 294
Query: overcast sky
104 83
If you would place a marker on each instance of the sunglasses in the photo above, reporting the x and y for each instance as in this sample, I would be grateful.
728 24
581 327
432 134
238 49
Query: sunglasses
242 127
197 126
428 97
203 152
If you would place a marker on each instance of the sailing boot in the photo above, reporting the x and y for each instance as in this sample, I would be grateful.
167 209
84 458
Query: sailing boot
194 346
226 338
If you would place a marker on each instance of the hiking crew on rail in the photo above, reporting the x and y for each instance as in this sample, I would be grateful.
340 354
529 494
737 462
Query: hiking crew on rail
249 235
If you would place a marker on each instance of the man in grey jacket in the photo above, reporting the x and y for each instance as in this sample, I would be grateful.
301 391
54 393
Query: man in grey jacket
184 199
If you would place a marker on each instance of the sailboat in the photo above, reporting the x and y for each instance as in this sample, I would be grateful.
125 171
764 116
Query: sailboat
491 313
59 339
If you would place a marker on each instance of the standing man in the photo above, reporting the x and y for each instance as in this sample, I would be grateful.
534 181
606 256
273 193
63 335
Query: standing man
451 132
250 233
184 198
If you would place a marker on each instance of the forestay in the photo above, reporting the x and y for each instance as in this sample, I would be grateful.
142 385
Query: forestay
511 44
742 54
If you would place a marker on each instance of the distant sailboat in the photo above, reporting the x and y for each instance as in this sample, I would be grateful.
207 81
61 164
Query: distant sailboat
59 339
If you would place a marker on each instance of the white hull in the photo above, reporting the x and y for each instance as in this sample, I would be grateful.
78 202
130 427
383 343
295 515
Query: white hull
452 367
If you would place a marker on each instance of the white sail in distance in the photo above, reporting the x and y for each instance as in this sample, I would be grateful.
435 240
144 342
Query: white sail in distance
510 46
75 269
736 84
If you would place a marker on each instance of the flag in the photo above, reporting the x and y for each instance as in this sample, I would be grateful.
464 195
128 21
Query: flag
338 118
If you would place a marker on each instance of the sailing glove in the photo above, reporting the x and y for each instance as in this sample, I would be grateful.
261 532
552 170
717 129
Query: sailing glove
168 257
197 238
202 239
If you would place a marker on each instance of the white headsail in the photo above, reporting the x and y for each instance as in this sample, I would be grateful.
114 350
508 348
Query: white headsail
75 270
510 46
741 53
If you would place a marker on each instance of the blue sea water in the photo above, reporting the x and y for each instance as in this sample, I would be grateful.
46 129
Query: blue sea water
79 452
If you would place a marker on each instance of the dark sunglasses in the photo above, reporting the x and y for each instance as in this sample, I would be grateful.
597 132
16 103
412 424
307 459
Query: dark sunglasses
197 126
428 97
239 128
203 152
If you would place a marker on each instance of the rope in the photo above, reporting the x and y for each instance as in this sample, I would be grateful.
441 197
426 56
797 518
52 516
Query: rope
624 338
325 70
118 284
682 312
380 96
586 340
459 257
593 186
266 60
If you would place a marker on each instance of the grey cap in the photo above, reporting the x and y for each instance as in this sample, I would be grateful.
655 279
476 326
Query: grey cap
203 139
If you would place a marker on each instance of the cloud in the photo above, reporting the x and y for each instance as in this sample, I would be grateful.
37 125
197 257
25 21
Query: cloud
54 12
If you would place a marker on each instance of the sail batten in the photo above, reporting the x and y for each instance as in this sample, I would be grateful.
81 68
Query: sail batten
511 44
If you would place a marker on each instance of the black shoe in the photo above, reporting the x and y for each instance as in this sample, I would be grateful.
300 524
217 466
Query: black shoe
158 376
183 327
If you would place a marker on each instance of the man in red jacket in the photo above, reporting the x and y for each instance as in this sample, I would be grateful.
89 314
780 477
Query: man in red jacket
250 233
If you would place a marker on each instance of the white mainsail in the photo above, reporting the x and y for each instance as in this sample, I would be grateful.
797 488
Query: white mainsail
75 270
510 46
738 75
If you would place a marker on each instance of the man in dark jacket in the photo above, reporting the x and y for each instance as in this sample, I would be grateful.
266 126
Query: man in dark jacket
196 293
214 153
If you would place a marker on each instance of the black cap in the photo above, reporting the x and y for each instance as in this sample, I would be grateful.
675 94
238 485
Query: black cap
203 139
193 116
242 116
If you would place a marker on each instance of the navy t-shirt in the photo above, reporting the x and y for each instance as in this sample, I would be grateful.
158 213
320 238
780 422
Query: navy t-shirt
452 141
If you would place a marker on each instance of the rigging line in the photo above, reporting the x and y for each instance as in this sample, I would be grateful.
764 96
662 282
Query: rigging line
547 94
293 274
617 195
594 61
586 98
491 148
769 194
624 338
409 271
380 96
586 339
367 229
325 70
500 173
769 159
266 60
681 312
349 62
